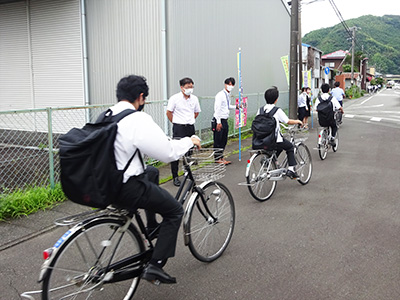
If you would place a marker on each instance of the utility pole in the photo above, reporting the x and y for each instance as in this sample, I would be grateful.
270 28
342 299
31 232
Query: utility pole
353 37
300 51
294 33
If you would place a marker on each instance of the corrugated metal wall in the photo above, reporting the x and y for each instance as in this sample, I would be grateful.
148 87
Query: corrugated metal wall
124 37
40 54
15 70
204 38
56 52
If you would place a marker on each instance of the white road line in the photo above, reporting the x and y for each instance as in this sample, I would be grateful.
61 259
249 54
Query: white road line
366 100
376 119
348 116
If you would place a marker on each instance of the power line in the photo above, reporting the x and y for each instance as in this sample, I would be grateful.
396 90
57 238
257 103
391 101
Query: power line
342 21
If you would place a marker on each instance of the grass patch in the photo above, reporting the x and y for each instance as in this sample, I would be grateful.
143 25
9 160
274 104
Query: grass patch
24 202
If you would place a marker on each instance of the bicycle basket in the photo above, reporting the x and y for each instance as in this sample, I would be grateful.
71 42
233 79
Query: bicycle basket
300 134
204 167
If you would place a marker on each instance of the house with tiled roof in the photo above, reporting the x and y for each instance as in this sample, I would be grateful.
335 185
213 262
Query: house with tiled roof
334 60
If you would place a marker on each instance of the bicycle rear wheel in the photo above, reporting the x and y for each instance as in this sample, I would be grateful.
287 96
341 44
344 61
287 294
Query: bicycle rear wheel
77 270
304 163
259 185
209 237
323 146
336 142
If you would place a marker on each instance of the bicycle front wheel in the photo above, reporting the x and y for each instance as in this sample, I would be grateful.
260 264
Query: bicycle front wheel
323 146
304 163
336 142
77 270
211 222
258 182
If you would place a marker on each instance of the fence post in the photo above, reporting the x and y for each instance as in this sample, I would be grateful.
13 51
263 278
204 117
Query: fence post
50 145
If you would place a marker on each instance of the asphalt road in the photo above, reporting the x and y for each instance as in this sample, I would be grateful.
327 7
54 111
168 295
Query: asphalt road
335 238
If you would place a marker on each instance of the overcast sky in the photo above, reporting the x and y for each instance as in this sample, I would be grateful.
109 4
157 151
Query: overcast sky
320 14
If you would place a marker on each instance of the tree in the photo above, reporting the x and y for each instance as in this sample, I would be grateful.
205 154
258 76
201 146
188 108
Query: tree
346 68
358 57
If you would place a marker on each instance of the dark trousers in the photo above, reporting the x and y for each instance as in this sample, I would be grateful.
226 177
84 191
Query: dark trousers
220 137
143 192
333 128
180 131
289 148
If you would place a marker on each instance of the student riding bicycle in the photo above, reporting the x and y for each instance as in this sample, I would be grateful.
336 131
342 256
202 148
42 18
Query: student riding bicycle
271 97
138 132
326 105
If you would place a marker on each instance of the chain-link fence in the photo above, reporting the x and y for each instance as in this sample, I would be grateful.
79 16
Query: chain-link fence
29 138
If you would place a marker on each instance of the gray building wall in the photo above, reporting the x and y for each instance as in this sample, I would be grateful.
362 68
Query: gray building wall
124 37
43 42
204 38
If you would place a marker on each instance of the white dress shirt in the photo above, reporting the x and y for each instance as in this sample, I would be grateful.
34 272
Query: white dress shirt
279 116
302 100
139 131
222 106
336 105
183 109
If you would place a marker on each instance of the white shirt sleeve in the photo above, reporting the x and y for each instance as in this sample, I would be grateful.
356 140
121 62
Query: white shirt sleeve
171 104
336 105
152 141
217 106
197 108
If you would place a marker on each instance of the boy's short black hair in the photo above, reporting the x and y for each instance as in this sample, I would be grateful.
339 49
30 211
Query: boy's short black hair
325 88
230 80
271 95
337 83
130 87
185 80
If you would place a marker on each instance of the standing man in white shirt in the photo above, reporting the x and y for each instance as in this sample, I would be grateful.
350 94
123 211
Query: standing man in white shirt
219 123
138 134
182 111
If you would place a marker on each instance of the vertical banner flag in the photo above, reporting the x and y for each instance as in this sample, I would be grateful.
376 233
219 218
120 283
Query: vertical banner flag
307 78
285 63
239 65
241 113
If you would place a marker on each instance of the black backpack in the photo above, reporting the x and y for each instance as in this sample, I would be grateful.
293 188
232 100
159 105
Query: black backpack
325 112
264 130
89 174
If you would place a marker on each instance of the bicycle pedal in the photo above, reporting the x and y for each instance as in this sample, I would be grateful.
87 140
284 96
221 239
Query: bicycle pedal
156 282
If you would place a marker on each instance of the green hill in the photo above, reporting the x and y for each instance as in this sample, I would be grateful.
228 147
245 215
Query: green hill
377 37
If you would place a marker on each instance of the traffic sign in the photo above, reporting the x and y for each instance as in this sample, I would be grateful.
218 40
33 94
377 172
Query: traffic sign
327 70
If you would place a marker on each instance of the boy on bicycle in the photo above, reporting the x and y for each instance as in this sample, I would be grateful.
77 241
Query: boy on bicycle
271 97
140 189
328 119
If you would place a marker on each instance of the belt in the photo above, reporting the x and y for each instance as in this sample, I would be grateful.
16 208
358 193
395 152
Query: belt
183 125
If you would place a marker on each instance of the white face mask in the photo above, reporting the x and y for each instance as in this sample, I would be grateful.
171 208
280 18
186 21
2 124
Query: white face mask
188 92
230 88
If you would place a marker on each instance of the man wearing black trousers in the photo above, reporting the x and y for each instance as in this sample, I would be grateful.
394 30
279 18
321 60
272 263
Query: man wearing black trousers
219 123
182 110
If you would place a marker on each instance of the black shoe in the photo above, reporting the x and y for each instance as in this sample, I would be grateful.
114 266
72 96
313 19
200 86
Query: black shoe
177 182
332 142
292 174
153 274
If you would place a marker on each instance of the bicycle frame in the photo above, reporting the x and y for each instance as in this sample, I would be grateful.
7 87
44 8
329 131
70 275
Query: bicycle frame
130 267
